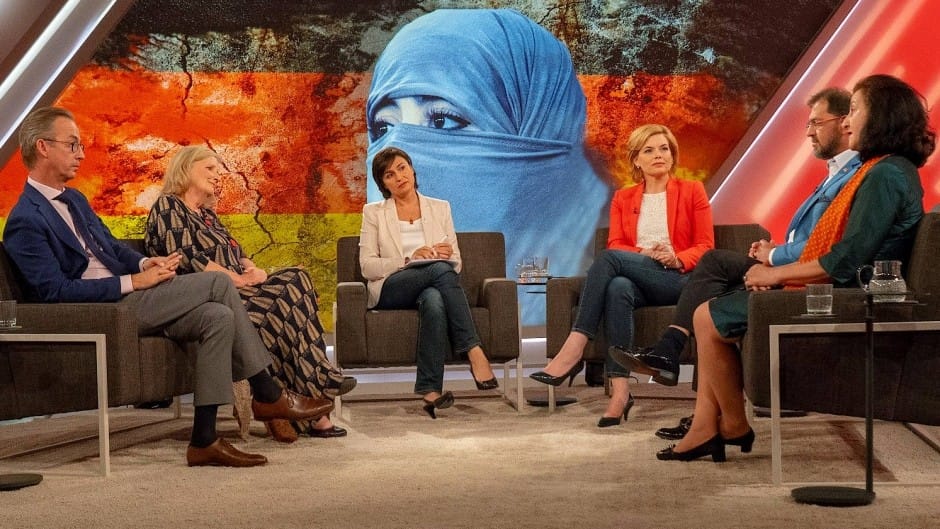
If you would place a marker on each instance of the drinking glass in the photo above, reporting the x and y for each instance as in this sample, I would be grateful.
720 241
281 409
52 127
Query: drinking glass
541 266
819 299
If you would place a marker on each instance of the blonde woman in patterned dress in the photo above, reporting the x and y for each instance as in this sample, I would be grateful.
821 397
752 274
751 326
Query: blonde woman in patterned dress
283 306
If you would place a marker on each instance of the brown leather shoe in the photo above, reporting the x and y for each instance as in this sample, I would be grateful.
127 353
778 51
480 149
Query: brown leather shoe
221 453
281 430
291 406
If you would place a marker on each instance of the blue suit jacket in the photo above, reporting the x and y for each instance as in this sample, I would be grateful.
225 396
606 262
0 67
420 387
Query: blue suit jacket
808 214
50 257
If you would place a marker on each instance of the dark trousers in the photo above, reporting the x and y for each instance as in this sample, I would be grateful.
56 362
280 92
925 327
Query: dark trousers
717 272
443 315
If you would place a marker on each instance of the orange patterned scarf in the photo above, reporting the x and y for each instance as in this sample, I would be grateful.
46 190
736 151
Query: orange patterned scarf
831 225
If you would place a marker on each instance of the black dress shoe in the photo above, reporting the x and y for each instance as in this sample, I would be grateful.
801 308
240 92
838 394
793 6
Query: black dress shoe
664 370
333 431
746 441
714 447
676 433
605 422
154 404
545 378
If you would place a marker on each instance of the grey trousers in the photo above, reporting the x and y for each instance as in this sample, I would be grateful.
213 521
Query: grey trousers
205 309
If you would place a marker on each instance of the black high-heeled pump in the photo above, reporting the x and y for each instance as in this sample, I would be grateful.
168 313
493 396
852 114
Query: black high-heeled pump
545 378
446 400
746 441
714 447
486 384
604 422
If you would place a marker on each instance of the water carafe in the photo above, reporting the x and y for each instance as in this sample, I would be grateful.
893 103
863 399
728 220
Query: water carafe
886 284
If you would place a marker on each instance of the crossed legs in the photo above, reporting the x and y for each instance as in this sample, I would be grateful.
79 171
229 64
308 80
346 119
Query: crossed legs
719 403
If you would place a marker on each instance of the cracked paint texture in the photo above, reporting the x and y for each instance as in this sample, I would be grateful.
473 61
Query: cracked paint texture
280 95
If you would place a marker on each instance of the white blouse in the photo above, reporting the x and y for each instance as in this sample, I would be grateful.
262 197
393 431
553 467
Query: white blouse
412 236
652 226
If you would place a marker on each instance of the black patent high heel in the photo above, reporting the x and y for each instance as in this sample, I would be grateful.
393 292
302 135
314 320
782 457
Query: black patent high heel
545 378
746 441
486 384
604 422
714 447
446 400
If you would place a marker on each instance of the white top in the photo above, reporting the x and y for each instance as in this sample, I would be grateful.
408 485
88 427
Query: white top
651 226
412 236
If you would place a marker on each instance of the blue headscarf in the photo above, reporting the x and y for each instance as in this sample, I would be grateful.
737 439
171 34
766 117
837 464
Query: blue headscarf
524 172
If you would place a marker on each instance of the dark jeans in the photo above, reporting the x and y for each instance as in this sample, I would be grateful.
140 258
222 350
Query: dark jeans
617 283
443 314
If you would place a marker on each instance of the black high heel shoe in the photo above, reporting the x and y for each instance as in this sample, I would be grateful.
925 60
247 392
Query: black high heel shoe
446 400
746 441
486 384
545 378
714 447
604 422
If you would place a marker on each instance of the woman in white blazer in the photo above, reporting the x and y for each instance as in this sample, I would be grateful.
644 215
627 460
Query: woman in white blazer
408 252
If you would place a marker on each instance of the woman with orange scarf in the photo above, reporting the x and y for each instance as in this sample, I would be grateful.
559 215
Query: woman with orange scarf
874 216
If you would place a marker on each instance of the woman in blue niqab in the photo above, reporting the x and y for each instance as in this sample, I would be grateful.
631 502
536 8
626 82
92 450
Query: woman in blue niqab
499 132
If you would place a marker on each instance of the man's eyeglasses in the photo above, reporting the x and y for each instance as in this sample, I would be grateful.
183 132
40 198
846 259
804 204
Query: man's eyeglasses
815 123
74 146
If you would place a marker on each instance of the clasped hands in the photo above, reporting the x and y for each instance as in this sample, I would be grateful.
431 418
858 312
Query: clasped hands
156 270
663 254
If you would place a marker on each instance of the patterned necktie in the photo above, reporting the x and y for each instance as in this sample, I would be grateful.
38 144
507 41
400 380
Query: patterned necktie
80 221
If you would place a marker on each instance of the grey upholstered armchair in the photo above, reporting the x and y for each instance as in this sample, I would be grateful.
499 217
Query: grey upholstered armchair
825 373
46 378
387 338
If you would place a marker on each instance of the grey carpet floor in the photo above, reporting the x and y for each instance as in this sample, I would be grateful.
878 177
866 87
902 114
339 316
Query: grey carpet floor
480 465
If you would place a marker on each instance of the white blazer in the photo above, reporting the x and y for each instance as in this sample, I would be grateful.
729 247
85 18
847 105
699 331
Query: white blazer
380 247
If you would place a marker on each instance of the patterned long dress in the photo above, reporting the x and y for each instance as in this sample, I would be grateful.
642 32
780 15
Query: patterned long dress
283 308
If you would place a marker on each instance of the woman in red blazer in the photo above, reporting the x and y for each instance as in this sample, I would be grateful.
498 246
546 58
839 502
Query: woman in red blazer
659 229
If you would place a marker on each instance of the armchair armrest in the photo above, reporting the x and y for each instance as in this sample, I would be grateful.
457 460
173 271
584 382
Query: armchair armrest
561 296
499 296
351 299
117 321
780 307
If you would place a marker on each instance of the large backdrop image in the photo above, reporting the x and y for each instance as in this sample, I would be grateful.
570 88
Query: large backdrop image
284 92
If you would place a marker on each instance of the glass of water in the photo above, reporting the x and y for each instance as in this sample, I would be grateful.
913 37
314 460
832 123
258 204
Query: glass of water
819 299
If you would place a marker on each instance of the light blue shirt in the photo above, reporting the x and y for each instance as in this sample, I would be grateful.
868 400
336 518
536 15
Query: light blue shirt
841 168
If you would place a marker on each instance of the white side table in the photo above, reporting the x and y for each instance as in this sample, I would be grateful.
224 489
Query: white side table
776 331
101 369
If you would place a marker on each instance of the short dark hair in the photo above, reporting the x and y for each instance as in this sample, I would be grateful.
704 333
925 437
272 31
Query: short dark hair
837 100
380 163
897 120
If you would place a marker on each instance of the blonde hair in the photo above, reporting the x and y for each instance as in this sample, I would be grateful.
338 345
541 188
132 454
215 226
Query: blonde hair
177 177
638 139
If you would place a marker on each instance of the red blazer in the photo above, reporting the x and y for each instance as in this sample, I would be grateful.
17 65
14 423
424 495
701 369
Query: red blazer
688 214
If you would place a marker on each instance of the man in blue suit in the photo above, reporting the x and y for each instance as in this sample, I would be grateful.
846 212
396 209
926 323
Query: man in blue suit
718 271
66 254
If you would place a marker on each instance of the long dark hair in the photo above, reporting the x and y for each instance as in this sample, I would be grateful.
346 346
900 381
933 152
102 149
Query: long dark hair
897 120
380 163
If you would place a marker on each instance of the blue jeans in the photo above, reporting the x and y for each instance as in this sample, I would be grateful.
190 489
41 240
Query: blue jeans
618 282
443 315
